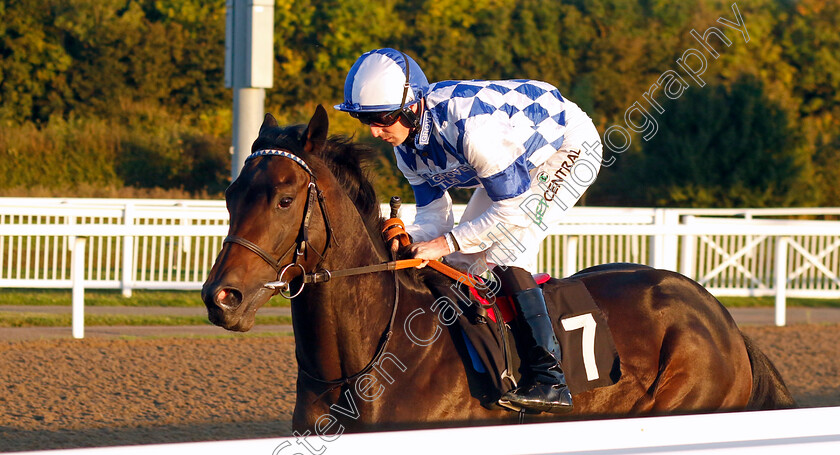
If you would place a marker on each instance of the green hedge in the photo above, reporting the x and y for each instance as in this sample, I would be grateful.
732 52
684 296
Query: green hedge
116 93
143 151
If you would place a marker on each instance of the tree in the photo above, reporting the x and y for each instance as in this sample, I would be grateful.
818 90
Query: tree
723 147
32 64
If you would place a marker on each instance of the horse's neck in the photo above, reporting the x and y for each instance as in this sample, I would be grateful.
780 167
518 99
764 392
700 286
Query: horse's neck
338 324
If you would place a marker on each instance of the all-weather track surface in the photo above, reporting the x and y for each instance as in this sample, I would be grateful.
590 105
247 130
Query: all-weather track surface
110 390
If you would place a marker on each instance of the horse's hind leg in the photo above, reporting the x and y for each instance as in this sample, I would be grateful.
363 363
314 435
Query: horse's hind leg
700 372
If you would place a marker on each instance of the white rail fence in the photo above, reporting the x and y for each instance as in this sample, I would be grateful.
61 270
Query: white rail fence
812 431
162 244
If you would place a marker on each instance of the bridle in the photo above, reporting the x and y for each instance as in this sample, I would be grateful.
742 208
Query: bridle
302 241
321 276
314 193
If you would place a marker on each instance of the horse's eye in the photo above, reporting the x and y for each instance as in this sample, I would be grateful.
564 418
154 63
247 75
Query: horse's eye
285 202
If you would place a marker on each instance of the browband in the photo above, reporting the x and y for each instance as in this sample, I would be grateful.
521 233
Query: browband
283 153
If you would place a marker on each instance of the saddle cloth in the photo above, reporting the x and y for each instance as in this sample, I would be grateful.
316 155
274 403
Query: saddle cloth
589 356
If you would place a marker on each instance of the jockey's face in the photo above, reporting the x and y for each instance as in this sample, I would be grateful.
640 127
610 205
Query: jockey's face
394 134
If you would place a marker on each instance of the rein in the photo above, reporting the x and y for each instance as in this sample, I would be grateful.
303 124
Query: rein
381 345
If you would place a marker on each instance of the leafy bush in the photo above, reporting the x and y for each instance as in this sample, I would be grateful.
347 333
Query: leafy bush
144 147
719 146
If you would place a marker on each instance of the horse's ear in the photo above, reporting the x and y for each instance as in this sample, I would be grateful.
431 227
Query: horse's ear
268 122
316 132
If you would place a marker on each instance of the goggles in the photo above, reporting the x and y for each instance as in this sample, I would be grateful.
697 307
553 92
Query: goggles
382 119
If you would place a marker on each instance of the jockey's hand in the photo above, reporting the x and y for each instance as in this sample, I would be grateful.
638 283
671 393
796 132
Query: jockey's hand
429 251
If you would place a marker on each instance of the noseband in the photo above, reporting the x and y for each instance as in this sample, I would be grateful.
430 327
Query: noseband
302 242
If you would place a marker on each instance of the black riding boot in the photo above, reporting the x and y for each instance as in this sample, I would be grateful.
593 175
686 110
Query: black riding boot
544 389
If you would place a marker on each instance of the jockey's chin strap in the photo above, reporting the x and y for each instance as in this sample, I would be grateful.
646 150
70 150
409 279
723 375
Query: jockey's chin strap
301 244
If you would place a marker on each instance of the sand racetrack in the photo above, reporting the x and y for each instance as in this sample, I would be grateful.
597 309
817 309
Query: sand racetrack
102 392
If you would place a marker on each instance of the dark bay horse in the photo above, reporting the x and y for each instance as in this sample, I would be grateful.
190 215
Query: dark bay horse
304 204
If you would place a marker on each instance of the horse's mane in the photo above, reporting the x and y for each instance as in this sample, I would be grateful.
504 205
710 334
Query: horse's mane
350 163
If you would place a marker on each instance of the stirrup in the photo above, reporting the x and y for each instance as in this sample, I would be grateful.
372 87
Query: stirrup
539 398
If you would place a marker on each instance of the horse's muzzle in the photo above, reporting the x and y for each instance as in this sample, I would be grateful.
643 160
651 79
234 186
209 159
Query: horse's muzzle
231 308
223 306
228 299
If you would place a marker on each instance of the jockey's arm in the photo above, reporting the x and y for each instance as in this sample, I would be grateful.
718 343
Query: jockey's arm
497 159
472 236
432 219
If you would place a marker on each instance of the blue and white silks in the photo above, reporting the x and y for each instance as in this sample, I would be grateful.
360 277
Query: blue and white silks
490 134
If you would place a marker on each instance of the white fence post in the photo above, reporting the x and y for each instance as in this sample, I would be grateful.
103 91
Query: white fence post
77 275
127 253
186 241
687 253
663 249
781 279
670 242
71 240
570 260
656 244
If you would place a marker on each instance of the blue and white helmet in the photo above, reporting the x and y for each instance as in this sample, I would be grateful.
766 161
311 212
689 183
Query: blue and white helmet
377 81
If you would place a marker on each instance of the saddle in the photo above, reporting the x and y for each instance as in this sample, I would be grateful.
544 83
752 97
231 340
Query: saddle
589 356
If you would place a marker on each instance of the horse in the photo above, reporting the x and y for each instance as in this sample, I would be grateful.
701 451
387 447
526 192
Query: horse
304 203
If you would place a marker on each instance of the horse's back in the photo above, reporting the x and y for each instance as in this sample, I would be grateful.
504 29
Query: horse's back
679 347
612 267
660 297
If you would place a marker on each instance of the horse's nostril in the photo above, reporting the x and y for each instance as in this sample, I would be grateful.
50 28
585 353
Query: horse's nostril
228 298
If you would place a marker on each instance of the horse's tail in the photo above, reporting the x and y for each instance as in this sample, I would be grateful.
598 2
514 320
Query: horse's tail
768 390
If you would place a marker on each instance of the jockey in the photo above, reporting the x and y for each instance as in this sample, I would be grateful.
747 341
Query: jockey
529 152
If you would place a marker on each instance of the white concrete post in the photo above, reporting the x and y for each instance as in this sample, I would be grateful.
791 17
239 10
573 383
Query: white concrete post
248 112
781 279
77 276
249 70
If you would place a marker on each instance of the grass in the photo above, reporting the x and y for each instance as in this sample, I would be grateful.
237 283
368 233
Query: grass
146 298
9 319
755 302
139 298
